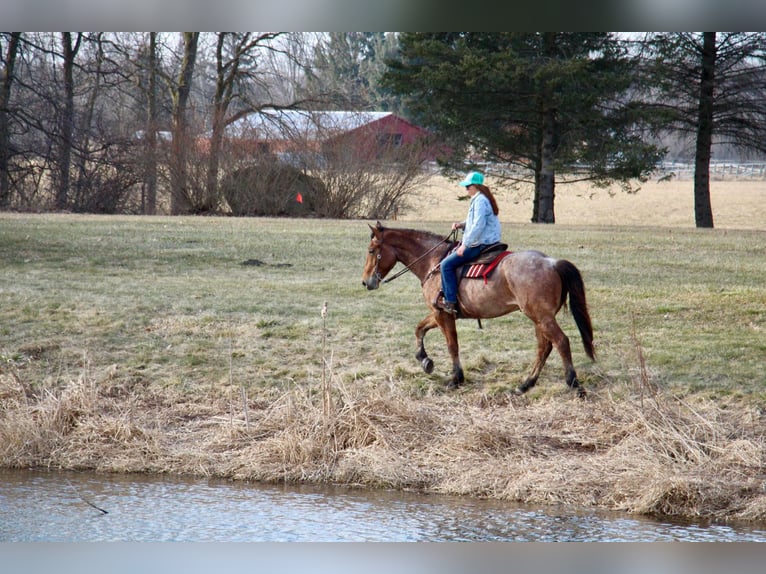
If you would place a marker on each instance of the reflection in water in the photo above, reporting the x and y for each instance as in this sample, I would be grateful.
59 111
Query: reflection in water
54 507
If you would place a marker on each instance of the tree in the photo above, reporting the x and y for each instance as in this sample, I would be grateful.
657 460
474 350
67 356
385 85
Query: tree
712 87
84 117
66 133
348 67
149 200
553 104
95 173
180 199
234 71
6 84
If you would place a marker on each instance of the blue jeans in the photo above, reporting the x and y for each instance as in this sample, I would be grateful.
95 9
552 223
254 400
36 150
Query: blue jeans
449 267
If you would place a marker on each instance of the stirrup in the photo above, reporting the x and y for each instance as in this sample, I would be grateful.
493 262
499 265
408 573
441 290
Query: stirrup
446 305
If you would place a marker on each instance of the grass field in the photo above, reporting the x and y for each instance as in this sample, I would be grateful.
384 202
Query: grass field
196 346
736 204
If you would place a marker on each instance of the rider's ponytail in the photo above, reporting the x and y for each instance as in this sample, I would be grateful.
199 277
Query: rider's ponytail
488 194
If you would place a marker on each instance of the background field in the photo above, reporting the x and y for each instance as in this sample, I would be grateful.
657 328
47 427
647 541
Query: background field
196 346
737 204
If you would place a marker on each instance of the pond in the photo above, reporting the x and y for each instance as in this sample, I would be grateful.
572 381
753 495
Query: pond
87 507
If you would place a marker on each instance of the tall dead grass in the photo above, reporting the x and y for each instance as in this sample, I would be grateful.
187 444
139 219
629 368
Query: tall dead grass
622 449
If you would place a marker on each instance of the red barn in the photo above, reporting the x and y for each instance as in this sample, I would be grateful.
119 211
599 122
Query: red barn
367 134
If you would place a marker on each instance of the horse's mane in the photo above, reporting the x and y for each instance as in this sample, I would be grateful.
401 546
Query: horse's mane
424 234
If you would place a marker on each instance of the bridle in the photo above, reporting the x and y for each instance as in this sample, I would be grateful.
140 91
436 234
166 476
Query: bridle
407 268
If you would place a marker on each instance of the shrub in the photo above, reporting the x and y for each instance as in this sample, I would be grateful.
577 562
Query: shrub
271 189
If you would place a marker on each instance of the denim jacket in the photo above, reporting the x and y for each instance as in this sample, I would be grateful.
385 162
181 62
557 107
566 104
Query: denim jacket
482 227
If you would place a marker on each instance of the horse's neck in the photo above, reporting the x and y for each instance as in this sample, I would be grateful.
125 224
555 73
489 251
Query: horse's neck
420 252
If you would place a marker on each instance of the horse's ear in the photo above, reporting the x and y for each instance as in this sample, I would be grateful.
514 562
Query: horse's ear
375 230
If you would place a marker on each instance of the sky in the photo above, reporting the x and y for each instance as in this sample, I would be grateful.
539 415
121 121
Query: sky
382 15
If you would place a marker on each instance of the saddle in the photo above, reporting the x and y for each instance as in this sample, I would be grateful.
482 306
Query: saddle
480 268
482 265
485 262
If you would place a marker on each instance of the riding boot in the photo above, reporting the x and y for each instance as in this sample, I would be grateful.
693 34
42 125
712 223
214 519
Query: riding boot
441 303
449 307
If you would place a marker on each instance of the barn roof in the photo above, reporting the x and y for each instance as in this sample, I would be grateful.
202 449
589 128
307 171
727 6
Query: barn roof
290 124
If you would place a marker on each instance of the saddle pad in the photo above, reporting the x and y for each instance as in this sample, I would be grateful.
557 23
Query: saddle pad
482 270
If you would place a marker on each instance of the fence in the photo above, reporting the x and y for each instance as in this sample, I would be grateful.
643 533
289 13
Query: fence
719 170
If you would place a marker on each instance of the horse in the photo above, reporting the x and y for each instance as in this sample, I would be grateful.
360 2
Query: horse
528 281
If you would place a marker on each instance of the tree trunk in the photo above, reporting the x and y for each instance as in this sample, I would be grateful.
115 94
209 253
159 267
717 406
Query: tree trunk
180 198
5 135
213 165
84 197
703 212
536 198
221 100
67 120
150 198
547 194
546 182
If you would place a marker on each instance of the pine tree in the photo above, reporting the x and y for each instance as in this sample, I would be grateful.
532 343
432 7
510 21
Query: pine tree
552 104
348 67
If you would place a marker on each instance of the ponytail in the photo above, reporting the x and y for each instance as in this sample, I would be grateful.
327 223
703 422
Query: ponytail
488 194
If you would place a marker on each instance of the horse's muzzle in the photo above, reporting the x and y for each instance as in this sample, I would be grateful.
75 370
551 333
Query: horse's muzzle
373 282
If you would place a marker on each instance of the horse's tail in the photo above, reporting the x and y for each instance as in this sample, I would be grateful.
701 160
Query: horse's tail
574 286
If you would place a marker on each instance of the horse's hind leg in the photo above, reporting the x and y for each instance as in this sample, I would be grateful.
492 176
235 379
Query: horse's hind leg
549 335
554 333
420 332
544 348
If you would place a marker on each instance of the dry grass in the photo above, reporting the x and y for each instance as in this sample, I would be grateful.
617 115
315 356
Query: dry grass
736 204
655 454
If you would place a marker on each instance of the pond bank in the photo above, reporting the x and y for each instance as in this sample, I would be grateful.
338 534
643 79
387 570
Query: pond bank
654 454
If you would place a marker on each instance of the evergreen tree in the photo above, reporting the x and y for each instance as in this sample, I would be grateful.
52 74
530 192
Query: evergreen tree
553 104
348 67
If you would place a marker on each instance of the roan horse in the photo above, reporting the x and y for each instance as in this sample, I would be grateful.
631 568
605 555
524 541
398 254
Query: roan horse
529 281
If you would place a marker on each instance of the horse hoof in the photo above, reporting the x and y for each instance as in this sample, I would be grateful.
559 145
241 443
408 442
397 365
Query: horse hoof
518 391
428 365
581 394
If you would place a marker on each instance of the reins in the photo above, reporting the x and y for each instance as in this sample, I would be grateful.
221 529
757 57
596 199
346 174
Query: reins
409 267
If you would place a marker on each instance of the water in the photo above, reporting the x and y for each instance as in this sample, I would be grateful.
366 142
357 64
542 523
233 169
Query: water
64 507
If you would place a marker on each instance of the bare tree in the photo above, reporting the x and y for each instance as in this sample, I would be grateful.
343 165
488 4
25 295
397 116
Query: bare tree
90 116
233 52
6 84
69 53
149 201
180 202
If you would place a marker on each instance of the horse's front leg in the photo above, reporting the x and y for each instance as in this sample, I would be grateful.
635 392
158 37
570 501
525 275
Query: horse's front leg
446 322
420 333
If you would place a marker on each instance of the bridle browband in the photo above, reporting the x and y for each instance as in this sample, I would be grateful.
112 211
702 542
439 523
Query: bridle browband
409 267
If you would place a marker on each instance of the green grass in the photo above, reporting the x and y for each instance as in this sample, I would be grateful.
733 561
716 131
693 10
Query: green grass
169 302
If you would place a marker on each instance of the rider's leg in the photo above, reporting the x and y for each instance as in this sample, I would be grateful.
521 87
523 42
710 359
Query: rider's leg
449 267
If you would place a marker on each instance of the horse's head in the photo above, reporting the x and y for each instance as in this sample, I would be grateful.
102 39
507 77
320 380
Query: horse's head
381 258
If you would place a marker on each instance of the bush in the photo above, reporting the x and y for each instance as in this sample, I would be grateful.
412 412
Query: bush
272 189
